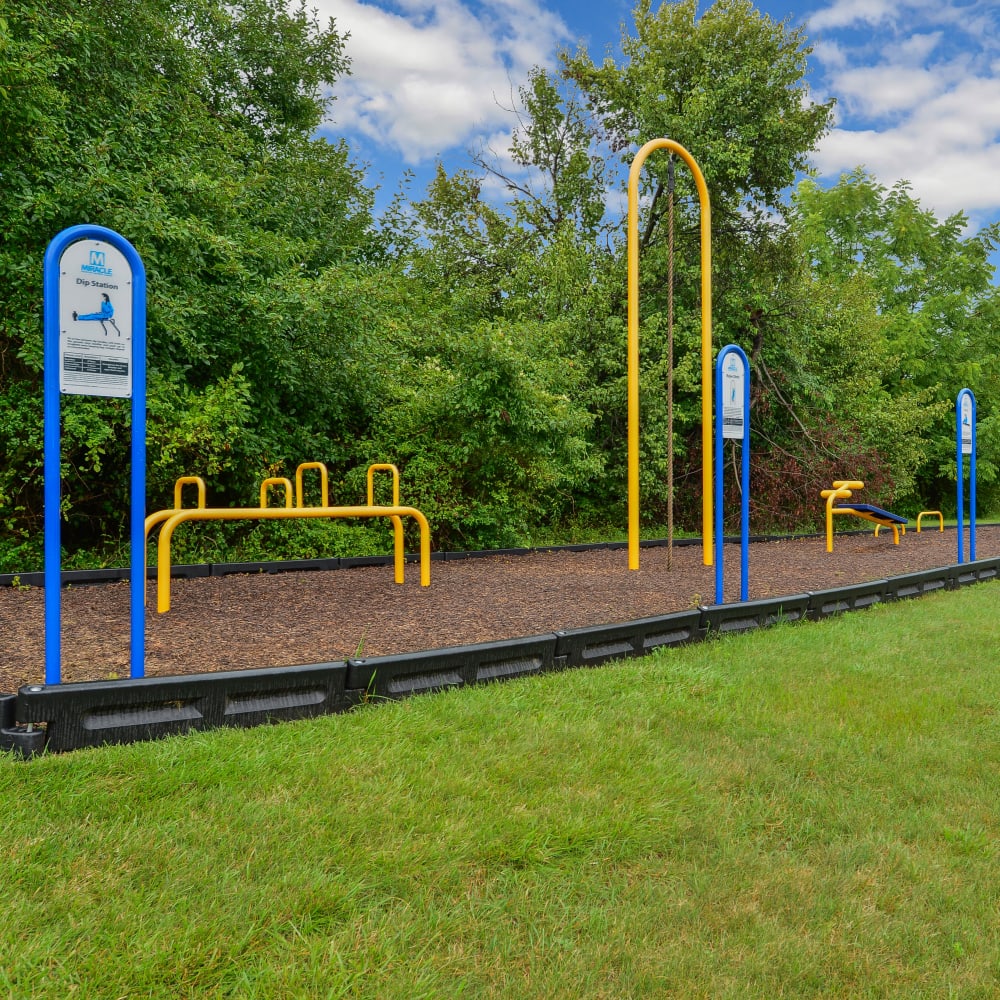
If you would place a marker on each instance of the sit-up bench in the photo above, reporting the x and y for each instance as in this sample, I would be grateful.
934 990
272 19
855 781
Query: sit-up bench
843 490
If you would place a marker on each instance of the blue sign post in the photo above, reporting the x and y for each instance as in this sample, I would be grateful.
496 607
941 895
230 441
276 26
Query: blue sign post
965 444
94 292
732 420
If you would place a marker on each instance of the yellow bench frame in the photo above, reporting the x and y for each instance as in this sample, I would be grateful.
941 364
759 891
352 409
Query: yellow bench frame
843 489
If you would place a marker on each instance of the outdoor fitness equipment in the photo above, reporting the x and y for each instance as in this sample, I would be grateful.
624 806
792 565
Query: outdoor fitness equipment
633 347
82 264
842 490
930 513
732 422
965 444
170 519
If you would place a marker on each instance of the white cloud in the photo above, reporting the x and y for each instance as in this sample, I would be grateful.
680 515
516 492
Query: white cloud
847 13
886 89
917 48
431 77
975 18
829 53
949 148
918 87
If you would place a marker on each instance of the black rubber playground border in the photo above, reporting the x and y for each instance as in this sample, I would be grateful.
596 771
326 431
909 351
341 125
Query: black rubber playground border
63 717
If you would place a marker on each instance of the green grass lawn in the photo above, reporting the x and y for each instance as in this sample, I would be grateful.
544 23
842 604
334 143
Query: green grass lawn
809 811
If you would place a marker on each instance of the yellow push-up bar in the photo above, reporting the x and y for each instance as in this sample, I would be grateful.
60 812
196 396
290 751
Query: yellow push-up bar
930 513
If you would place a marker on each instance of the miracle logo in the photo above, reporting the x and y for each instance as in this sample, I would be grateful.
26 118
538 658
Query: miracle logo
97 265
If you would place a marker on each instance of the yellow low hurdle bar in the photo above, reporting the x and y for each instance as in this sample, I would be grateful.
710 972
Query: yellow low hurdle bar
171 519
930 513
843 489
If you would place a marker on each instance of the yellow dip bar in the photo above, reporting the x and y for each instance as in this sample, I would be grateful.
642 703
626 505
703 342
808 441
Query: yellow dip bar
171 519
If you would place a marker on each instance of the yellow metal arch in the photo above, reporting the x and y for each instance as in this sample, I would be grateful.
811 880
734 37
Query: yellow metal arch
633 347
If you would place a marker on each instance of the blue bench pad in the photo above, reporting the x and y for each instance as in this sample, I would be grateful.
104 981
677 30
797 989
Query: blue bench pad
867 508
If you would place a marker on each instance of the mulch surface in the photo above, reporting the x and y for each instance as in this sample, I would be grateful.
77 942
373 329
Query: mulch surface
270 620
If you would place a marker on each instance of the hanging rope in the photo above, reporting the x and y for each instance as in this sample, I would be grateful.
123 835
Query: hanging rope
670 362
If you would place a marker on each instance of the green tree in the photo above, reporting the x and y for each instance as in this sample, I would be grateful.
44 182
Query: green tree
936 304
729 86
555 146
189 129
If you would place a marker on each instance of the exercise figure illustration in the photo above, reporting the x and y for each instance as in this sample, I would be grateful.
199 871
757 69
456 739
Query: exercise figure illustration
105 316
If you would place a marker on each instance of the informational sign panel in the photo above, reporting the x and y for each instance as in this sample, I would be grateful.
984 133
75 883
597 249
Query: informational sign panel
967 420
732 420
965 444
94 311
95 320
733 396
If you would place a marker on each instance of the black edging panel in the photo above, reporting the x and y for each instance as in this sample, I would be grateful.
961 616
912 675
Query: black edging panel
455 666
975 572
126 711
861 595
593 645
754 614
920 583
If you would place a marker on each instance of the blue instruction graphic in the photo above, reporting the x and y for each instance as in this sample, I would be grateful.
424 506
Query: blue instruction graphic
105 316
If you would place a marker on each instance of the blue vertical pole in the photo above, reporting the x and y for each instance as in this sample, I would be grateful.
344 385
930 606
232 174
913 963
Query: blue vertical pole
137 572
51 455
972 483
745 507
719 540
960 476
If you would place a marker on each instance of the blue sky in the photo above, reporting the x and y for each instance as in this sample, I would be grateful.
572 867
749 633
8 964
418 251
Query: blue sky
917 83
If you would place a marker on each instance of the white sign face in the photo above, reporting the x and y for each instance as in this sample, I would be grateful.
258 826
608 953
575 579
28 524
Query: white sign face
966 415
95 320
733 395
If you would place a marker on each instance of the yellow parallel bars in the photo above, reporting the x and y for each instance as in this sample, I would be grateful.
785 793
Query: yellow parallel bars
172 518
161 515
278 513
324 480
633 348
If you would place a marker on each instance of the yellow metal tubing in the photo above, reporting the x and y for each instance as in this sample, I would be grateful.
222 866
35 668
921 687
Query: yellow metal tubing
633 348
931 513
276 481
397 523
387 467
885 524
842 490
324 481
278 513
152 520
196 481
